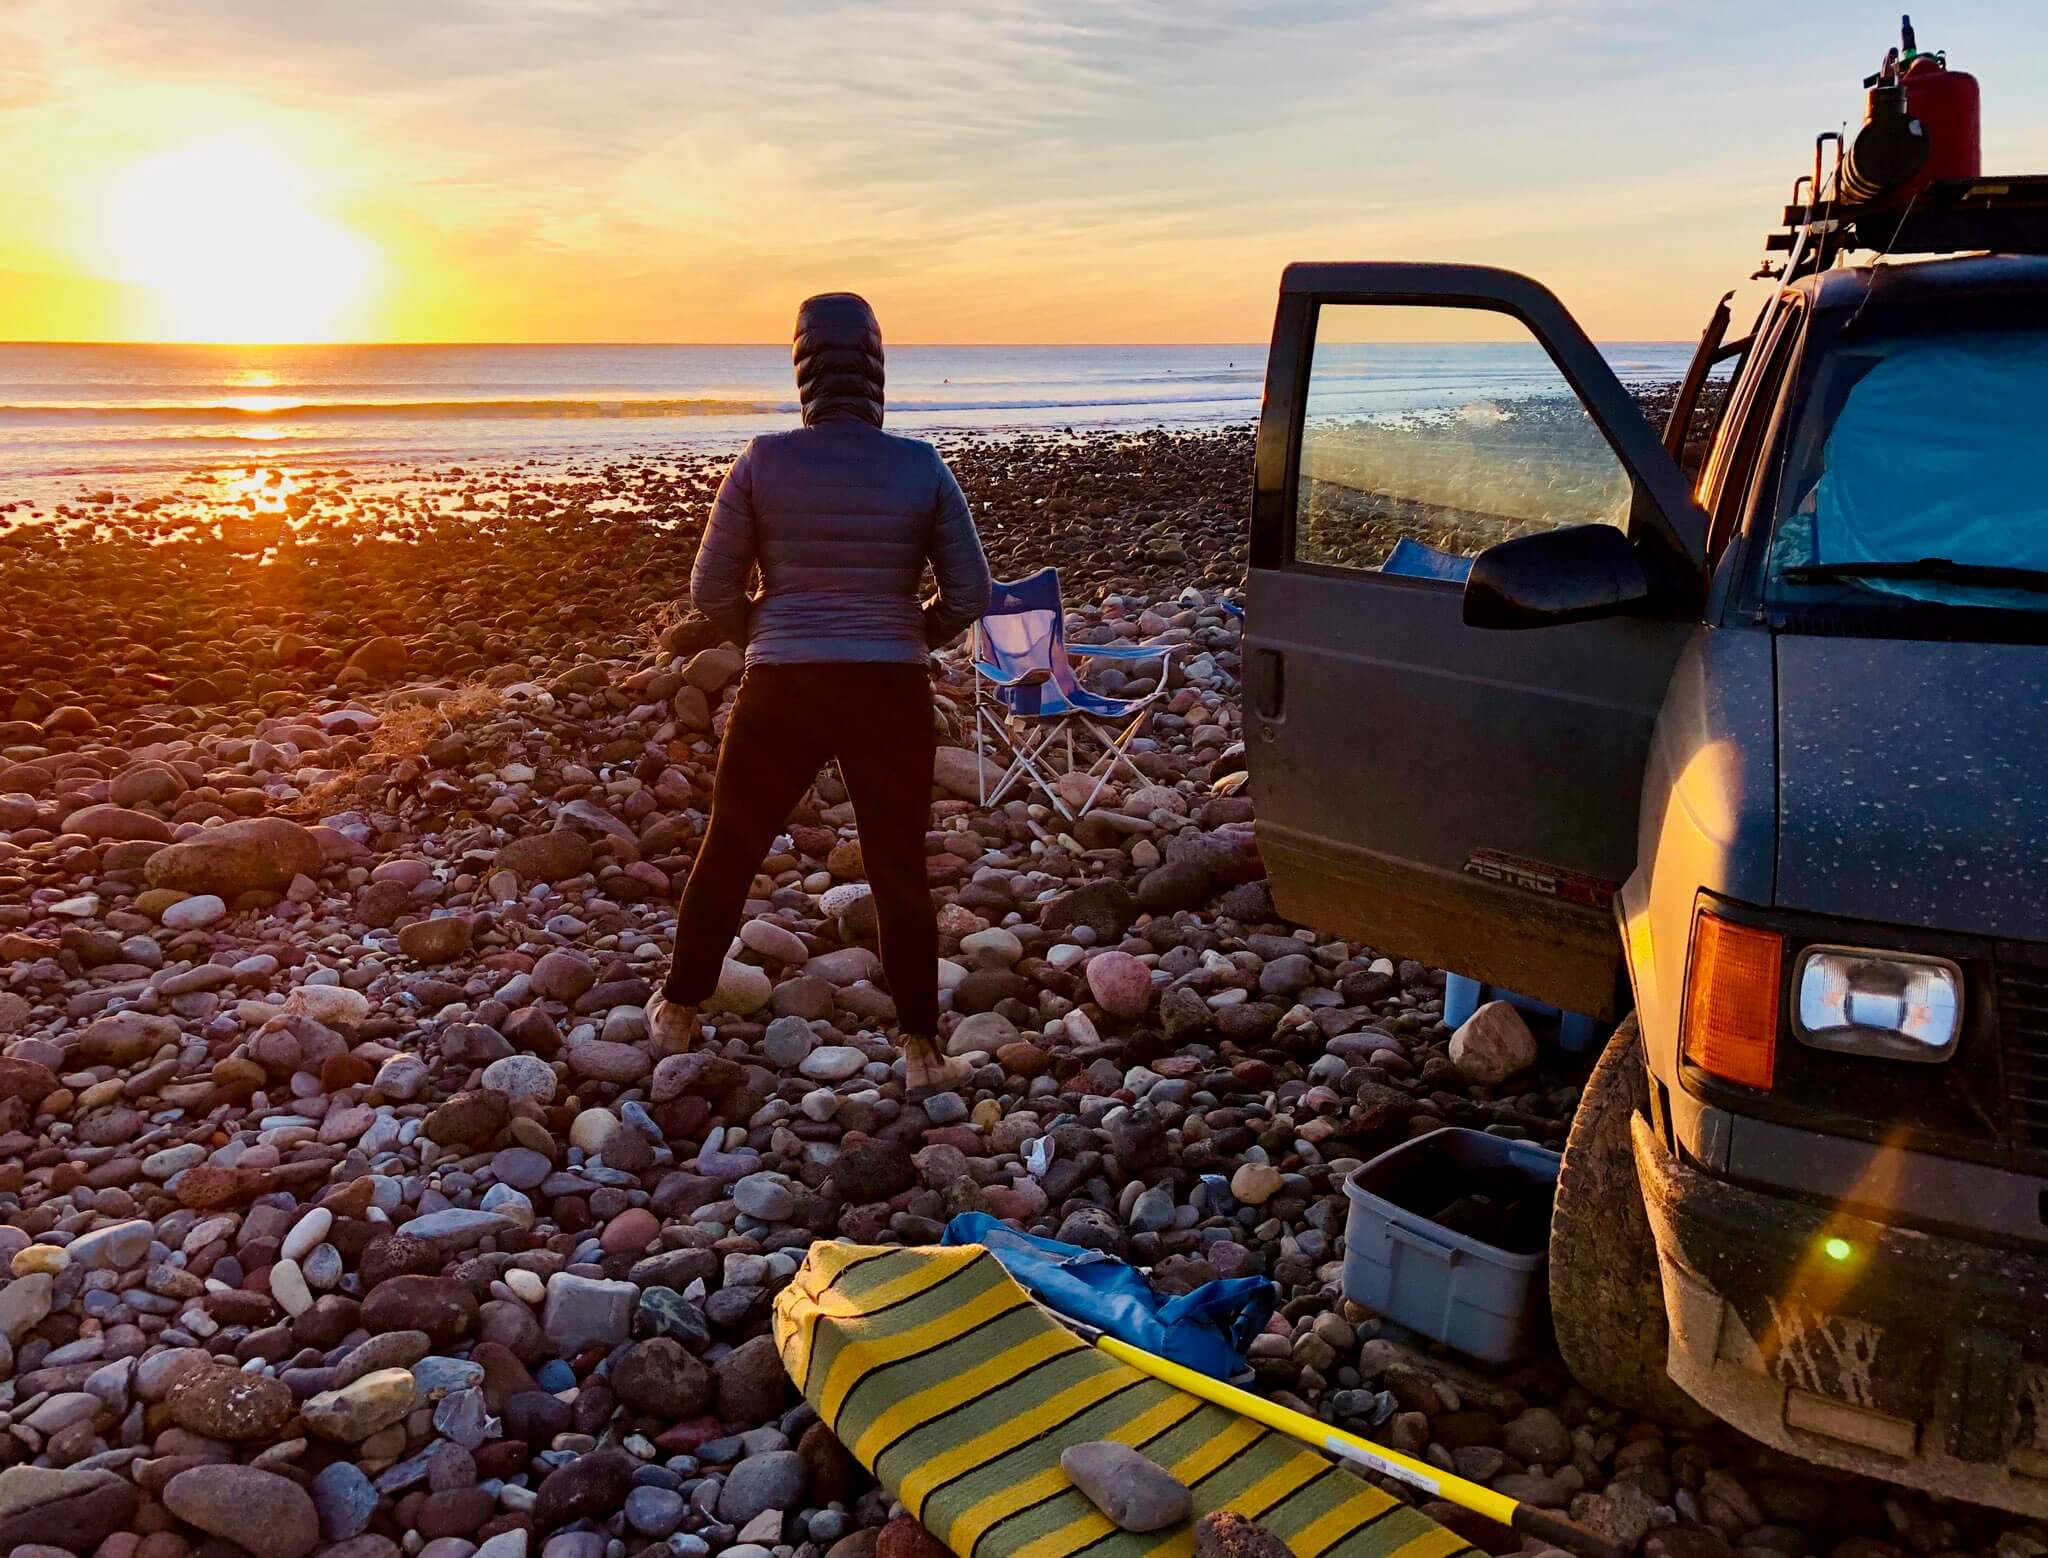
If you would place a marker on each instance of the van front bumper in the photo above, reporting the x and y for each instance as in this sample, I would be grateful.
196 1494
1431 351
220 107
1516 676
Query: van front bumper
1913 1357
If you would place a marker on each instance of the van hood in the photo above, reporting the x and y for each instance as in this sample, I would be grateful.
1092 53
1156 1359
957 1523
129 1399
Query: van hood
1912 783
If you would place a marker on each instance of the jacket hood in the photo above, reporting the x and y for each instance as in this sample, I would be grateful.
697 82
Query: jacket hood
838 356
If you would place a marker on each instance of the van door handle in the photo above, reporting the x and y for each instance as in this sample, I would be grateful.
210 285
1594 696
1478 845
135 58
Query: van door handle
1266 679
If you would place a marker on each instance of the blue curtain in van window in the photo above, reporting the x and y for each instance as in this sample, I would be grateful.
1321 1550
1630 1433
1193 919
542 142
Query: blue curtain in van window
1941 450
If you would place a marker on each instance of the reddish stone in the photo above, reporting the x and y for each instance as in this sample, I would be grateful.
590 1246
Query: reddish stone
683 1119
29 1080
344 1071
241 1306
440 1306
832 1474
502 1458
207 1187
1011 1204
689 1436
456 1512
352 1200
630 1232
1021 1059
903 1537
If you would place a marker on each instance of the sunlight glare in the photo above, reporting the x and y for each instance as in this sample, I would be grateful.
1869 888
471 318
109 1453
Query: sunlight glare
222 236
259 489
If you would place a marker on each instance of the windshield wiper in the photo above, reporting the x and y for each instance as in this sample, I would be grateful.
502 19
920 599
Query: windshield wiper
1944 569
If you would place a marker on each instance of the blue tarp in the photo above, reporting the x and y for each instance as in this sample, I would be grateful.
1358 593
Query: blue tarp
1208 1329
1938 453
1415 560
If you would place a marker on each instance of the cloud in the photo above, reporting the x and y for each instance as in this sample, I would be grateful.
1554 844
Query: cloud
22 85
1058 159
25 78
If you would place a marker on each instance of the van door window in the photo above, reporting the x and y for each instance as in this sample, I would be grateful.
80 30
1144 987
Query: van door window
1418 453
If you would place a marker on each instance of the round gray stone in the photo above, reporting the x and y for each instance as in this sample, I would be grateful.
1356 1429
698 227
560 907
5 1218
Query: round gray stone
774 1480
344 1499
521 1167
655 1512
1135 1493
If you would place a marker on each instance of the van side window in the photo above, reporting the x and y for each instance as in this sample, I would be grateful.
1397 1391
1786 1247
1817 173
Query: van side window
1727 485
1417 453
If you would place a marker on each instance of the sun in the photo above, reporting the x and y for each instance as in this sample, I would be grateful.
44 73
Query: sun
223 238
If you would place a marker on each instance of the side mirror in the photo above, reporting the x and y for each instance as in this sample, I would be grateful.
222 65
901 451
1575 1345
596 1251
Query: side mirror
1557 576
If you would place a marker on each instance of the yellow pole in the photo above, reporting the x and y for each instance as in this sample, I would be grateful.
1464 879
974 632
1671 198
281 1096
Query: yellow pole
1403 1468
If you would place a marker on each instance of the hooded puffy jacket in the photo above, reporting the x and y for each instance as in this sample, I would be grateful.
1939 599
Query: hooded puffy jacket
840 518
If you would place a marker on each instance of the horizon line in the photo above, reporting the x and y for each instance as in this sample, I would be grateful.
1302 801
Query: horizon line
778 345
303 345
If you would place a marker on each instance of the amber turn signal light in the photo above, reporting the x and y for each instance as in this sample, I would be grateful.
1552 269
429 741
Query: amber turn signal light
1731 1003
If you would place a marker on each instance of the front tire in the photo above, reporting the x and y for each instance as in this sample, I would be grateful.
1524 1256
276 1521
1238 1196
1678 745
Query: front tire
1606 1292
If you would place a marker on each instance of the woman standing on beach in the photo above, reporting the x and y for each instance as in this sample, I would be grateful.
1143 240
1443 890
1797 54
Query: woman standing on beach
840 518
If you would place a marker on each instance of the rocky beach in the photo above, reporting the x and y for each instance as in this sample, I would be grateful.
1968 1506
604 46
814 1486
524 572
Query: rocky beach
350 1209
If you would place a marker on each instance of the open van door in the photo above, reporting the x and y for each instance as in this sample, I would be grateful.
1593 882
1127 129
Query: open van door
1459 794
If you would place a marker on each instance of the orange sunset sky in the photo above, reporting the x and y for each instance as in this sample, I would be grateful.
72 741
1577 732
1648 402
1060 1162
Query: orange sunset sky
1007 170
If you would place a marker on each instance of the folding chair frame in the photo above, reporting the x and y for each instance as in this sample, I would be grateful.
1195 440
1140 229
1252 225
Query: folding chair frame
1009 693
1027 753
994 719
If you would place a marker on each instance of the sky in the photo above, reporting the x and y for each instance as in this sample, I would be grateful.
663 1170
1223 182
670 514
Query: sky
984 170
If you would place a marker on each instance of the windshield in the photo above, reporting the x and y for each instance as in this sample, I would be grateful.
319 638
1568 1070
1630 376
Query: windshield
1921 458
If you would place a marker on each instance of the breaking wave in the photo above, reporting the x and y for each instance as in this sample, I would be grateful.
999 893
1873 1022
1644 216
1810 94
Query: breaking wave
264 409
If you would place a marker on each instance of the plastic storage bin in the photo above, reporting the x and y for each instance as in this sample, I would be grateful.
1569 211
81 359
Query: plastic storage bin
1464 995
1477 1297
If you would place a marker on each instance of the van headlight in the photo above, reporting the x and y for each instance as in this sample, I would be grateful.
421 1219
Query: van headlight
1862 1001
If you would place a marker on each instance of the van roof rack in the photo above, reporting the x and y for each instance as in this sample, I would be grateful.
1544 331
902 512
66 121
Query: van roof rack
2002 215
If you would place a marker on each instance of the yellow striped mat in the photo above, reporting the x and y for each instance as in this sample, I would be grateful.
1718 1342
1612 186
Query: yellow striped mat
958 1392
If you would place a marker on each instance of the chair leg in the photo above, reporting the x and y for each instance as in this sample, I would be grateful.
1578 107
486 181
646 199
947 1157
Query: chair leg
980 747
1114 753
1027 756
1044 757
991 727
1047 784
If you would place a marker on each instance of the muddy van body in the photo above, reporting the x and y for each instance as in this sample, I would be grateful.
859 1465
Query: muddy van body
1750 759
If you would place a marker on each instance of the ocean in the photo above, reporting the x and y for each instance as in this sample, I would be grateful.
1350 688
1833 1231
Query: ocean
142 419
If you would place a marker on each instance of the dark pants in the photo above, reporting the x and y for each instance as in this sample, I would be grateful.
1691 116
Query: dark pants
876 719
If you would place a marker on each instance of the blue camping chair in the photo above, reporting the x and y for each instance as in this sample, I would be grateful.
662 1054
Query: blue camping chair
1027 695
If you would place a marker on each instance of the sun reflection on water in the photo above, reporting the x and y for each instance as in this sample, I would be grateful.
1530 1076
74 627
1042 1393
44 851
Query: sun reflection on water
259 489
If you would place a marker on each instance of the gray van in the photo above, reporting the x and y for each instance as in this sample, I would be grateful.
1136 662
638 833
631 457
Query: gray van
1753 763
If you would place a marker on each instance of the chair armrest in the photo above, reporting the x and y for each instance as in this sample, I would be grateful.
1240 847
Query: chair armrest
1123 651
1002 678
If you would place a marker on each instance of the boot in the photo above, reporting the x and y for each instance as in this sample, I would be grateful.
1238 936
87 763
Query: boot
672 1025
926 1072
